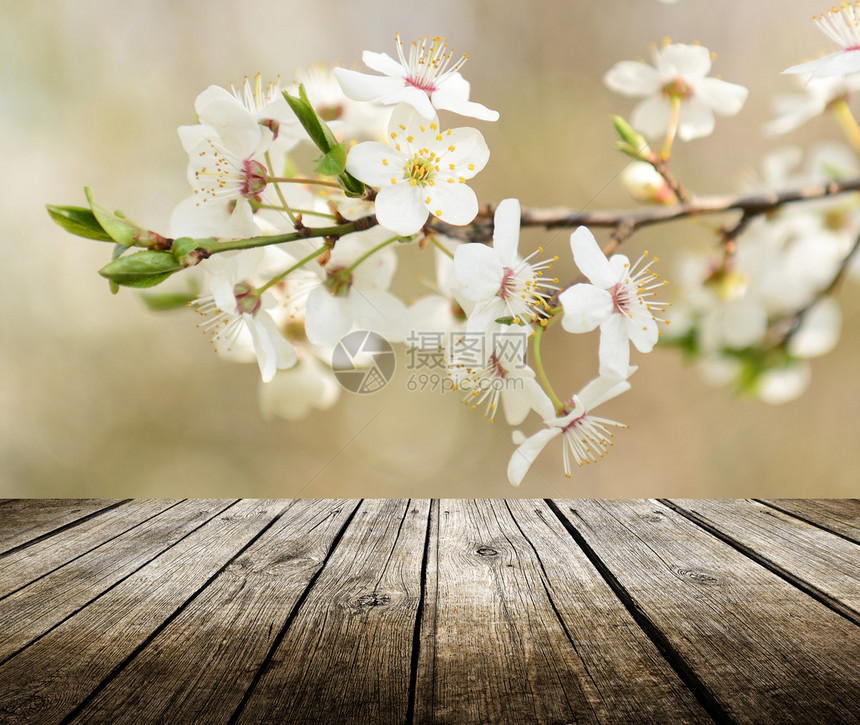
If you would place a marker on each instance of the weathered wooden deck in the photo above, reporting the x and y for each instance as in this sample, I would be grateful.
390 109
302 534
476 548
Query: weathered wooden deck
452 611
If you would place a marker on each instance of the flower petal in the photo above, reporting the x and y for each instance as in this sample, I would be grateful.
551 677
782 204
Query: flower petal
642 328
401 208
466 149
412 96
382 63
632 78
819 330
454 203
600 390
696 120
527 452
379 311
366 87
652 116
274 351
585 307
478 270
691 62
614 350
506 231
590 259
327 318
375 163
844 63
723 97
449 97
483 317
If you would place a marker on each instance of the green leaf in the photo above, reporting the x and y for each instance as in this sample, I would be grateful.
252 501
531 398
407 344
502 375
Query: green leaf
326 142
118 229
79 221
309 119
162 301
632 142
146 268
333 163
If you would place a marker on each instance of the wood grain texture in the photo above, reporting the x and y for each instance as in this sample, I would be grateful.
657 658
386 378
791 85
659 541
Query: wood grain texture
211 651
22 520
841 516
632 680
46 682
499 653
828 564
454 611
30 612
765 650
24 566
346 657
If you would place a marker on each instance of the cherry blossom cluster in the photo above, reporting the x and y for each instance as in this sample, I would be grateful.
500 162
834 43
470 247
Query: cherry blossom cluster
282 263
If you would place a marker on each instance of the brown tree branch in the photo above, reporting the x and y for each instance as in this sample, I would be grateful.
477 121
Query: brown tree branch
626 222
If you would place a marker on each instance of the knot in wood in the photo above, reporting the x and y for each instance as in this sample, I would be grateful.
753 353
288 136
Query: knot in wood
697 575
373 600
487 551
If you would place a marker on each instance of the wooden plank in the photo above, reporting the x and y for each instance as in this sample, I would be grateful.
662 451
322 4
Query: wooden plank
632 679
45 682
764 650
346 658
492 647
24 566
33 610
840 515
211 651
816 558
25 519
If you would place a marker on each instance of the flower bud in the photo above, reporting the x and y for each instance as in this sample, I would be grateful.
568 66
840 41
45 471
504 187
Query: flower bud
146 268
644 183
632 142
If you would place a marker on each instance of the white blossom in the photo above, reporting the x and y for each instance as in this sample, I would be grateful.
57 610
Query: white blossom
498 281
426 80
795 109
354 294
238 317
421 171
679 72
614 300
841 24
585 437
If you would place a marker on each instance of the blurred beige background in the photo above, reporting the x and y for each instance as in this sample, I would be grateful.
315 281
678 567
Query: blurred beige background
102 398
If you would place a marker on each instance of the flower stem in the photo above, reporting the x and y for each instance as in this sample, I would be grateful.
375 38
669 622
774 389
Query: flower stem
297 265
303 212
370 252
295 180
666 152
214 246
847 122
541 373
283 201
441 247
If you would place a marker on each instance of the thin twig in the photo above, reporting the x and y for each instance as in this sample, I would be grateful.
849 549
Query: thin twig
751 205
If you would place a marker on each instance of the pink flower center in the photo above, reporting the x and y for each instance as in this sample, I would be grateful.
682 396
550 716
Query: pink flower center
495 365
253 178
508 286
621 298
422 84
247 299
677 88
575 422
